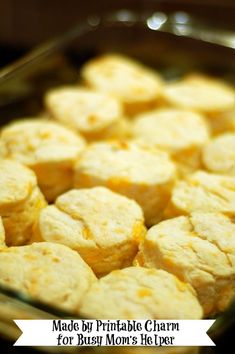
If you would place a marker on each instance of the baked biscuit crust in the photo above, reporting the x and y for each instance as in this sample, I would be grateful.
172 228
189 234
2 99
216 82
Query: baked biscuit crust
48 272
2 234
105 228
202 191
94 114
219 154
17 183
137 292
198 249
180 132
137 86
47 148
171 129
140 173
20 201
200 93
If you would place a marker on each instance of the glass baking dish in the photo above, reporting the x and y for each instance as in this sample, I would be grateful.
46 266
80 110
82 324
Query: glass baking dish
172 42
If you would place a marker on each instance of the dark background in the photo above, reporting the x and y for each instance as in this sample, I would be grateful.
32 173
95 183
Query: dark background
25 23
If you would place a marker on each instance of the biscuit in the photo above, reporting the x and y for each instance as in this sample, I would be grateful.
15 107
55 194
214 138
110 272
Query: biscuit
2 234
218 155
140 173
223 122
201 93
180 132
198 249
20 223
94 114
140 293
20 201
47 148
121 130
136 86
16 184
104 227
48 272
202 191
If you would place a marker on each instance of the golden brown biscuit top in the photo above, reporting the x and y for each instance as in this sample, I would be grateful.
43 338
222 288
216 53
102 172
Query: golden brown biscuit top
86 110
104 227
199 249
219 154
123 77
35 141
106 218
201 246
171 129
47 271
127 162
137 292
206 192
17 183
201 93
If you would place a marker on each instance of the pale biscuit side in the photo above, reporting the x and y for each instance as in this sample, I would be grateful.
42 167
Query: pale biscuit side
20 201
19 223
17 182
